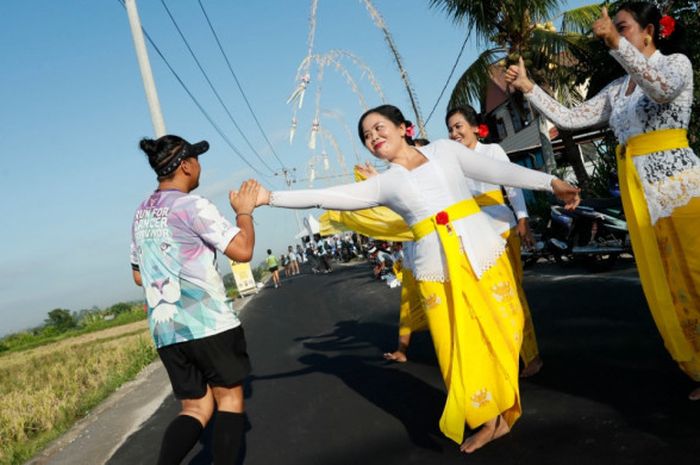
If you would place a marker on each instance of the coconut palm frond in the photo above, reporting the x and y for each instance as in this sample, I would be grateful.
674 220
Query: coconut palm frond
554 46
471 86
533 11
483 18
580 20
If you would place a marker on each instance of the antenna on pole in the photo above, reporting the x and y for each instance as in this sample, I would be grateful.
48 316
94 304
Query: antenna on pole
145 66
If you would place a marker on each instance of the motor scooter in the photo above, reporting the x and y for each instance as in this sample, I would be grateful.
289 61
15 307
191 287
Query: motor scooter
594 233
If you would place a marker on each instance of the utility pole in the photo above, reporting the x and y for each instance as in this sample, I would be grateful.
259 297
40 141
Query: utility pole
290 177
145 66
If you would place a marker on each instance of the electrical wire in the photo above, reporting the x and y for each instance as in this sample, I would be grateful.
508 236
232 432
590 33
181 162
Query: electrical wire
196 102
464 44
238 84
211 86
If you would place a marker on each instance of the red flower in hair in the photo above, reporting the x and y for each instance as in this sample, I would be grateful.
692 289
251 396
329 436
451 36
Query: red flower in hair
668 25
442 218
483 131
411 131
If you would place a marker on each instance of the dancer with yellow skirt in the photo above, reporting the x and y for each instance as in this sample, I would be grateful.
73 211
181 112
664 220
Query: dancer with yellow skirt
649 110
465 281
463 127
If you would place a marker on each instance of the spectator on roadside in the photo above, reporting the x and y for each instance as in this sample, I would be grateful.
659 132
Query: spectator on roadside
284 263
324 257
293 261
312 258
300 254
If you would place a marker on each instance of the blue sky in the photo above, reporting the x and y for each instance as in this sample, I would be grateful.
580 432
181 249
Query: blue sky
73 111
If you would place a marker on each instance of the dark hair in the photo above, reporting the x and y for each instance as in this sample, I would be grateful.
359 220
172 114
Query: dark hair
161 152
646 13
391 113
467 111
269 251
420 142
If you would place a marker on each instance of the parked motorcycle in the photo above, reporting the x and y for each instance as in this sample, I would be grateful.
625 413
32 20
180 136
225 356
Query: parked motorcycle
595 233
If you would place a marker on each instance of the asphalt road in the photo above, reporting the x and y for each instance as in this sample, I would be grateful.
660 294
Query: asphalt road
320 392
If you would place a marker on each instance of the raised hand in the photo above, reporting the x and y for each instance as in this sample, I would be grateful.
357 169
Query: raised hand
566 193
516 77
605 29
244 200
366 170
263 197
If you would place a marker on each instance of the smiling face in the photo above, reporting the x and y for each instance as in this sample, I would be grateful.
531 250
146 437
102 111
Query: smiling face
382 137
461 131
631 30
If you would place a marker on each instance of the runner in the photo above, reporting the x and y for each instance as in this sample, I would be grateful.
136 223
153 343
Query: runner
175 235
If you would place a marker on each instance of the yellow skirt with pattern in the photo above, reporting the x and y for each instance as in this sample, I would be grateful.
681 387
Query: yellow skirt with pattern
412 317
678 237
529 350
477 345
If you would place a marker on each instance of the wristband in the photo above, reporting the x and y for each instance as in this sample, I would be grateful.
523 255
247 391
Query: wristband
244 214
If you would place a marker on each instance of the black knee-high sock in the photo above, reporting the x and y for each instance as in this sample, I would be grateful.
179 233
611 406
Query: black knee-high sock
228 435
180 436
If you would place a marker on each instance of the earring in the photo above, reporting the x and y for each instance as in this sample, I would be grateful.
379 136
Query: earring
647 40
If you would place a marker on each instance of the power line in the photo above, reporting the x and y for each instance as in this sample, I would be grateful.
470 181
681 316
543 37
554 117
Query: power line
464 44
196 102
240 88
211 85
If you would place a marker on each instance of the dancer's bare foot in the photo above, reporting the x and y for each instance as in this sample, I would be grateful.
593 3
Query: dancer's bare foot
491 430
396 356
532 368
695 395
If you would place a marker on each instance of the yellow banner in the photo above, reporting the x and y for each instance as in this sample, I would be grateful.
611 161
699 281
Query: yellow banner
243 276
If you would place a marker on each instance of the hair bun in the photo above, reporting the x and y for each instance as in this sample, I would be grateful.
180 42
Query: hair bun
149 146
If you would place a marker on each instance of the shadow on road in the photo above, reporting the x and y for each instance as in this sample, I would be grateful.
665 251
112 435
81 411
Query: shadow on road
599 342
416 404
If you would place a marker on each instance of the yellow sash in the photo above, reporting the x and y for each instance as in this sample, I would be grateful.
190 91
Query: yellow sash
643 236
450 214
490 198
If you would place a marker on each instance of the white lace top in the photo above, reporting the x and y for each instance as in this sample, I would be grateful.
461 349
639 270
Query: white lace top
662 99
501 216
424 191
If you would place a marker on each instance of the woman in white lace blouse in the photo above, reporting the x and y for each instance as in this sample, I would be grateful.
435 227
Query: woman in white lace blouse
464 279
649 111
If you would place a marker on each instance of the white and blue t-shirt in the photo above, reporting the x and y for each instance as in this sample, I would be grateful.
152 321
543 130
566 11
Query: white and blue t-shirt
174 238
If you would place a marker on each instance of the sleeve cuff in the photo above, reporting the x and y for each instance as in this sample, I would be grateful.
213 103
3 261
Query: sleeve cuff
227 237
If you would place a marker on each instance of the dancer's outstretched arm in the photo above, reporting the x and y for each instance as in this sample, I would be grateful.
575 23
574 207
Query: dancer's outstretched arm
590 113
510 174
515 195
354 196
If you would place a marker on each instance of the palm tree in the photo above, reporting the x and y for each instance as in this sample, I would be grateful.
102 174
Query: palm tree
514 28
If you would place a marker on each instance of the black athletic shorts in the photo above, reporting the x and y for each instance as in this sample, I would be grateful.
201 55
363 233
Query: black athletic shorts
273 269
218 360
